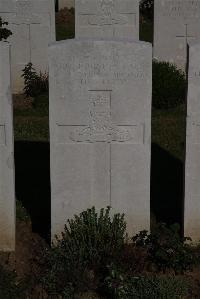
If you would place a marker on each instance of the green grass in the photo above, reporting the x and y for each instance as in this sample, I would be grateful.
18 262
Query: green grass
146 31
32 124
62 33
168 130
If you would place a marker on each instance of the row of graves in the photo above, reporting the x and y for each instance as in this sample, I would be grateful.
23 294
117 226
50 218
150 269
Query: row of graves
100 87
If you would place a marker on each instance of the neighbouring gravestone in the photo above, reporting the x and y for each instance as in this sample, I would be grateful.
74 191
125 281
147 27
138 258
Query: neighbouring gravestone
192 169
176 24
107 19
32 23
7 193
100 129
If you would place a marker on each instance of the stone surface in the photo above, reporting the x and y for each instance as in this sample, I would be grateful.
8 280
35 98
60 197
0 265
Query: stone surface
7 194
192 168
176 24
32 23
100 129
66 3
107 19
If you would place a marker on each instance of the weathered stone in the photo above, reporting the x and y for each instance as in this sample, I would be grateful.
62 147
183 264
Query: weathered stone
107 19
32 23
176 24
192 169
100 129
7 194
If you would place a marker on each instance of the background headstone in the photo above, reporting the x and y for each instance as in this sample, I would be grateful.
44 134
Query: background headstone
7 193
100 129
192 169
32 23
176 24
107 19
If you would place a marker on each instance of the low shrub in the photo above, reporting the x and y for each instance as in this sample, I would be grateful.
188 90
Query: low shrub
4 32
166 249
34 84
169 85
118 286
9 287
88 243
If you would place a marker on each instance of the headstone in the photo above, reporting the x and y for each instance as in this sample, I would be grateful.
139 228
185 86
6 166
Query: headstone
66 3
7 194
32 23
100 129
192 168
107 19
176 24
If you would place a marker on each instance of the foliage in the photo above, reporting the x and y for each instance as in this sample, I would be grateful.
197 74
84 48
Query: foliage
34 84
88 242
146 8
119 286
166 249
169 85
9 288
4 32
21 213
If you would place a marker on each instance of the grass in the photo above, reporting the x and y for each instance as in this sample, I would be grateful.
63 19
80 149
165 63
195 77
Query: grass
32 123
168 130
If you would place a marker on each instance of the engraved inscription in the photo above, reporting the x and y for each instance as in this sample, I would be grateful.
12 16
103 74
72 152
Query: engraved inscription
2 135
186 37
101 127
87 70
23 7
176 8
108 16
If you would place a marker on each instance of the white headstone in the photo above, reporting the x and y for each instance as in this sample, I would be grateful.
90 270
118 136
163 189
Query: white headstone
176 24
32 23
107 19
65 3
100 129
7 193
192 169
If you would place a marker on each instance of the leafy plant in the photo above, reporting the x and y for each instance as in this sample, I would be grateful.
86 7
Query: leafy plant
120 286
34 84
4 32
8 285
166 249
88 243
169 85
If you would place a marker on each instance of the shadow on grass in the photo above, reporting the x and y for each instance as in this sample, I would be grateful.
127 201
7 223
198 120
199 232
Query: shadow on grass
33 183
167 185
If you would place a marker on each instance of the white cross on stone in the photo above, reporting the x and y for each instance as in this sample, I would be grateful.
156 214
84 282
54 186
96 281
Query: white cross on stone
101 127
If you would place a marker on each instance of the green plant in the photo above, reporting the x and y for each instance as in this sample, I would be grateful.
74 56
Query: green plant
4 32
115 283
34 84
166 249
8 285
169 85
88 243
120 286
